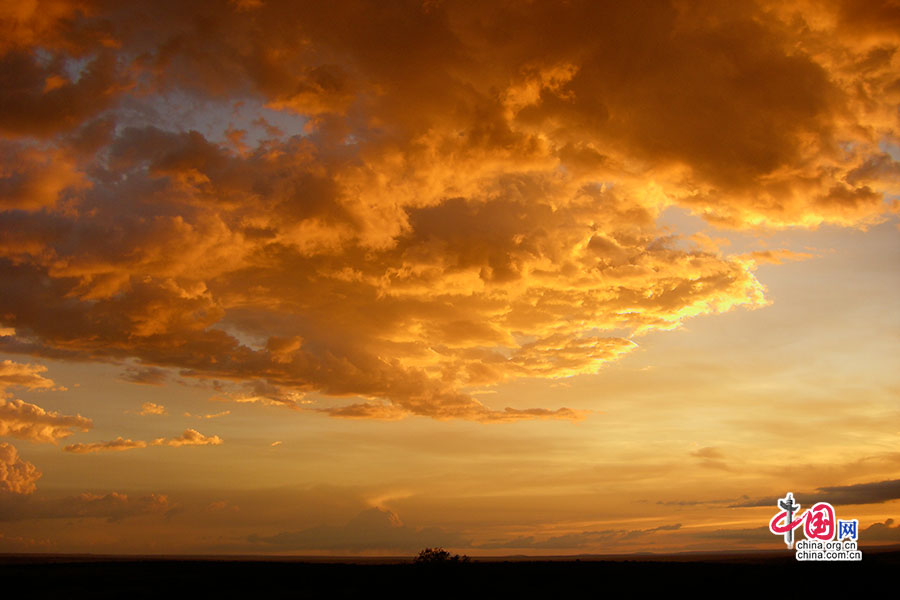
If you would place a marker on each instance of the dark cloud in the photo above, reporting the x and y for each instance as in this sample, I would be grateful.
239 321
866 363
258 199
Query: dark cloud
41 99
754 536
144 375
841 495
881 532
862 493
111 506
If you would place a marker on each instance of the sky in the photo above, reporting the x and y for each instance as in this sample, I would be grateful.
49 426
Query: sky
361 278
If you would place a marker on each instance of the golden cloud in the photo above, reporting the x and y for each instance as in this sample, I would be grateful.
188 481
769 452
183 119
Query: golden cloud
31 422
459 205
150 408
190 437
16 475
24 375
116 445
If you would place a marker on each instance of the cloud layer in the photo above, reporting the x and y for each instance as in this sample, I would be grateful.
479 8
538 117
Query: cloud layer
448 206
112 506
372 529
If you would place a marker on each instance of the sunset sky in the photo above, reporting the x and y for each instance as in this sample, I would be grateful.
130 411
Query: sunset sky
509 277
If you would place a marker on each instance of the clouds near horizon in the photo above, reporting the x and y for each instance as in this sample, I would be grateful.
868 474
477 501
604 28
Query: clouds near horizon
371 529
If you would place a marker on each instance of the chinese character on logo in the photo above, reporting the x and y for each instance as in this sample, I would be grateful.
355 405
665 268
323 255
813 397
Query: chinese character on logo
787 528
848 529
819 522
820 525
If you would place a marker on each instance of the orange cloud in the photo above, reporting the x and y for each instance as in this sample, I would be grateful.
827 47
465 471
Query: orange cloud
115 445
458 207
190 437
17 476
24 375
149 408
42 22
777 257
31 422
32 178
210 415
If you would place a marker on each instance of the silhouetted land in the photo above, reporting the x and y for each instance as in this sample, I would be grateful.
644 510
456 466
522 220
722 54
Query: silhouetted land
771 574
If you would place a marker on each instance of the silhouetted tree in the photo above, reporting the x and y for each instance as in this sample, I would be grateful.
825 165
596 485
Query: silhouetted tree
436 556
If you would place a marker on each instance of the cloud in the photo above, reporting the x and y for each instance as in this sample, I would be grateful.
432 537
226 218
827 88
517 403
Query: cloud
709 452
861 493
881 532
210 415
20 543
777 257
190 437
876 532
699 502
454 207
17 476
31 422
751 536
149 408
711 458
222 505
40 98
147 376
372 529
33 179
117 444
25 375
112 506
606 537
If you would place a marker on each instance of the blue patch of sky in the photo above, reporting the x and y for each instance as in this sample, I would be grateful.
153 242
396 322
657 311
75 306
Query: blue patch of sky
76 66
180 111
890 147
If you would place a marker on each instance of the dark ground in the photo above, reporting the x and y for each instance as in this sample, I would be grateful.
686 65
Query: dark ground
776 575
